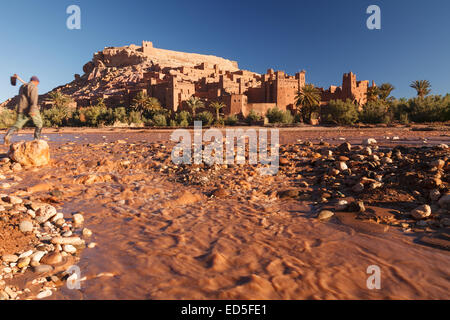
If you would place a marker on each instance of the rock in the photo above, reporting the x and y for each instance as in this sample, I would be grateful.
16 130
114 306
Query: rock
43 268
12 199
37 256
435 195
342 205
444 201
44 213
290 193
357 206
325 215
10 258
369 141
30 153
367 151
342 166
26 226
69 249
421 212
23 262
16 167
44 294
78 219
86 233
359 187
345 147
438 163
52 258
26 254
11 293
220 193
75 241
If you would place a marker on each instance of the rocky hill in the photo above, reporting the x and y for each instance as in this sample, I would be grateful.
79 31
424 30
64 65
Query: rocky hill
114 69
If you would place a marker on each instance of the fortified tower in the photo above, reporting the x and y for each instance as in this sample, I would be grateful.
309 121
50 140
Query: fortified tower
147 47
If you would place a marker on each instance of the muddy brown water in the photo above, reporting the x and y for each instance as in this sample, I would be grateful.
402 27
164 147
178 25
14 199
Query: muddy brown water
229 249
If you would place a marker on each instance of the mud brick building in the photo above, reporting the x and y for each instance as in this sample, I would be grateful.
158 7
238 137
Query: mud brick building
118 74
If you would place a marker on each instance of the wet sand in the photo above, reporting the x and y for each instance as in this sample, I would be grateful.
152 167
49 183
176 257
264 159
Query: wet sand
161 239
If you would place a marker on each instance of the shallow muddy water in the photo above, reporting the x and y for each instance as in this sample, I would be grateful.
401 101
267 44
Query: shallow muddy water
159 239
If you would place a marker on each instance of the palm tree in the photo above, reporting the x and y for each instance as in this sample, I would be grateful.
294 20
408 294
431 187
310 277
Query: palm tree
144 103
372 93
384 91
194 103
423 87
59 100
308 98
217 106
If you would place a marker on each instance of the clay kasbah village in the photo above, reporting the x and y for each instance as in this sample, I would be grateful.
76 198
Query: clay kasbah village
225 160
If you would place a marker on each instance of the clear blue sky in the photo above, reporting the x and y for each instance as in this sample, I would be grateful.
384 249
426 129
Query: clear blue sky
326 38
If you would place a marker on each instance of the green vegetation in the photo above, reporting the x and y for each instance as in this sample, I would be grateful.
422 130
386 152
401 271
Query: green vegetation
205 117
340 112
253 117
183 119
276 115
308 100
231 120
423 87
375 112
194 103
7 118
381 107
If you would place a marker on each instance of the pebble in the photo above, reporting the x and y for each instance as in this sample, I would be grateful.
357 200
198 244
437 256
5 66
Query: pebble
26 254
86 232
68 240
52 258
78 219
8 258
342 205
325 215
69 248
44 294
359 187
26 226
23 262
43 268
369 141
421 212
37 256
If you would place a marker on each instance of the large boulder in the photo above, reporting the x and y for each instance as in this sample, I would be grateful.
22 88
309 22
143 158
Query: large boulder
30 153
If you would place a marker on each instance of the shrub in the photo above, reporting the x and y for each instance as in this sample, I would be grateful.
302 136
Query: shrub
429 109
253 116
135 117
183 118
205 117
119 115
375 112
231 120
95 115
7 118
341 112
219 123
56 116
160 120
276 115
